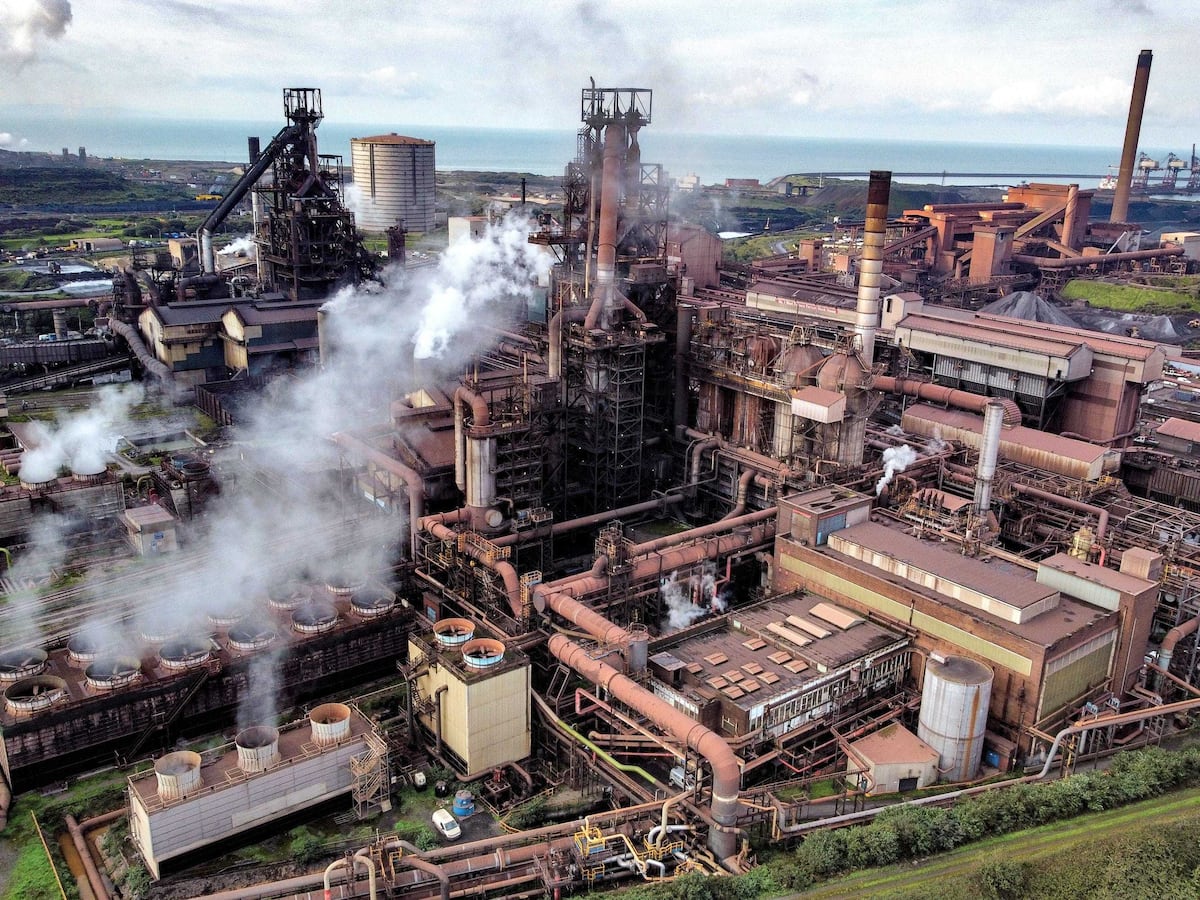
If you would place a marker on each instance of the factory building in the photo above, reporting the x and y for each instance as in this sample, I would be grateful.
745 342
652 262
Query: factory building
189 801
140 685
778 666
394 176
1052 631
472 693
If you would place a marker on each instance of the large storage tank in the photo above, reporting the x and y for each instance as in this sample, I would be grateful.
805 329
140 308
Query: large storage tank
954 707
394 177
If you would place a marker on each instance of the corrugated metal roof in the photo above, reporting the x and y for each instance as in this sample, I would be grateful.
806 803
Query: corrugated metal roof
1012 334
985 579
893 744
1180 428
1028 437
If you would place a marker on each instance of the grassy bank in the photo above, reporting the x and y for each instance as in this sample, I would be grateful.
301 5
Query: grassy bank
1157 296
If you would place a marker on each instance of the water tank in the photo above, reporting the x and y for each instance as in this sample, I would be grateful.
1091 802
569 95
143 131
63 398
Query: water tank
954 708
178 774
330 723
257 748
394 175
464 803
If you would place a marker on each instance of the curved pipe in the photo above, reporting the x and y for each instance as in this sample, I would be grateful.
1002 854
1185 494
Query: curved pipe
1077 505
415 859
85 857
938 393
554 355
593 746
213 220
726 769
416 486
149 361
1174 636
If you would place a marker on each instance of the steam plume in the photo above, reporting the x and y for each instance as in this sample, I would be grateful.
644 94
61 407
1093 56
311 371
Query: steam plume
895 461
25 23
692 598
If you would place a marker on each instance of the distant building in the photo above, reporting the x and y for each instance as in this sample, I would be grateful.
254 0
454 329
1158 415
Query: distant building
394 175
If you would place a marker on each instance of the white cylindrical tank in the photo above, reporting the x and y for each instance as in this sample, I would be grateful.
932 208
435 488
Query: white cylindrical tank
178 774
989 453
954 709
394 179
330 723
257 748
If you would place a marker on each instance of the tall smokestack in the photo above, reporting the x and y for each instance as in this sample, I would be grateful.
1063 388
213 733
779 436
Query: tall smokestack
1133 130
989 452
606 248
870 264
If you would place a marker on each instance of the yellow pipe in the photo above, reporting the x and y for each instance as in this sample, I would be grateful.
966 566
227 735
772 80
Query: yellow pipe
607 757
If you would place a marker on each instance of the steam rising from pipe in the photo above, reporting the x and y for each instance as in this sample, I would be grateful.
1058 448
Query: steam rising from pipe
82 441
384 342
895 461
692 598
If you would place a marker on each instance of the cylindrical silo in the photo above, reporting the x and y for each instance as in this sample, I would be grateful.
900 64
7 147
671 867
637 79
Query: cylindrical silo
394 178
954 709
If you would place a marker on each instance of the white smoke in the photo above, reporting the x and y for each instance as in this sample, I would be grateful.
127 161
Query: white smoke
895 461
81 441
25 23
692 598
244 244
895 431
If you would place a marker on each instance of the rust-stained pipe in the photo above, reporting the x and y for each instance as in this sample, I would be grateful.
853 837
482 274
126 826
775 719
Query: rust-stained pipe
1079 262
1174 636
416 486
683 342
474 454
600 313
870 264
659 504
416 859
726 770
1133 130
85 857
674 540
437 717
937 393
1077 505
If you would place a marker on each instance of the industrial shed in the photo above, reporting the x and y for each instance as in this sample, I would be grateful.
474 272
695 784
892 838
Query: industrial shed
893 760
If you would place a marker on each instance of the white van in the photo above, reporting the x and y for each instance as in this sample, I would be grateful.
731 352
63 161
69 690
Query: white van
446 825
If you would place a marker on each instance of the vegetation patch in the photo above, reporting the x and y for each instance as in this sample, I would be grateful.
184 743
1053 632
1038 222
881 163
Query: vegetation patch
1140 298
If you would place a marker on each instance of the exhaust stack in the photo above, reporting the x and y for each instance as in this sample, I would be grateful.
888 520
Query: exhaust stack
1133 129
989 451
870 265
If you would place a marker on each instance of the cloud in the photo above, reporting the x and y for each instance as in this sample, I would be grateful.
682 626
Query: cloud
25 24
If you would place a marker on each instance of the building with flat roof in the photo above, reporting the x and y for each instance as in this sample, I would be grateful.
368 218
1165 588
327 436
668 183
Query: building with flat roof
1053 631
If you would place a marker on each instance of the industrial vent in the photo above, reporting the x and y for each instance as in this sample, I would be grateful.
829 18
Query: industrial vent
483 653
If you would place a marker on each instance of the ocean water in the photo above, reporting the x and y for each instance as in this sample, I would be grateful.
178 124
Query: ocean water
712 157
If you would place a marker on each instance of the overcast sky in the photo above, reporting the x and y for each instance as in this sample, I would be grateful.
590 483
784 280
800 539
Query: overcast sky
1025 71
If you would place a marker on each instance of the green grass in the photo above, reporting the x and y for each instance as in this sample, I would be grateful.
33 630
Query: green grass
1136 297
1052 846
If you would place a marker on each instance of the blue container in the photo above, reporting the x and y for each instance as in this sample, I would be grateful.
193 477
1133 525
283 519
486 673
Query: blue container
464 803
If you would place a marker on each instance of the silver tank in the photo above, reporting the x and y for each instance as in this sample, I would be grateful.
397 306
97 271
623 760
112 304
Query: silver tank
954 709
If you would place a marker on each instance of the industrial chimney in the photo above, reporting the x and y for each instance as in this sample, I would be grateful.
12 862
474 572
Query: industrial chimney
1133 129
870 264
989 451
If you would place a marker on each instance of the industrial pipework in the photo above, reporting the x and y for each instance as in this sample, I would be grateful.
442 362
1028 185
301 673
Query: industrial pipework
989 453
1133 130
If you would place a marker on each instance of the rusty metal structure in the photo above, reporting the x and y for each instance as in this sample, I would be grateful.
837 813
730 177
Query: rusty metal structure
683 548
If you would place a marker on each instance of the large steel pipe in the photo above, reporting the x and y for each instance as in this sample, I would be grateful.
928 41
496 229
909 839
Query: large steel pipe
604 303
939 393
416 486
726 770
1133 130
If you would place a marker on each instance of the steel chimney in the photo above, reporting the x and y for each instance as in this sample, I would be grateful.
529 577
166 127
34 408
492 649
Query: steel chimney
1133 129
870 265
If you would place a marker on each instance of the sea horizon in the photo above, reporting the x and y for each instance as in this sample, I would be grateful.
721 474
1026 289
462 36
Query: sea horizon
545 152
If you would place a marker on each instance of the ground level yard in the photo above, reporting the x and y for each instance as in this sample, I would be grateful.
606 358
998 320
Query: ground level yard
951 872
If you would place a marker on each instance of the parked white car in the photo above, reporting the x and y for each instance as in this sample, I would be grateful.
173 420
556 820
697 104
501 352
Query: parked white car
446 824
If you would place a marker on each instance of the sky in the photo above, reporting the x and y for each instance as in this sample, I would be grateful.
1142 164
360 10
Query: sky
1008 71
